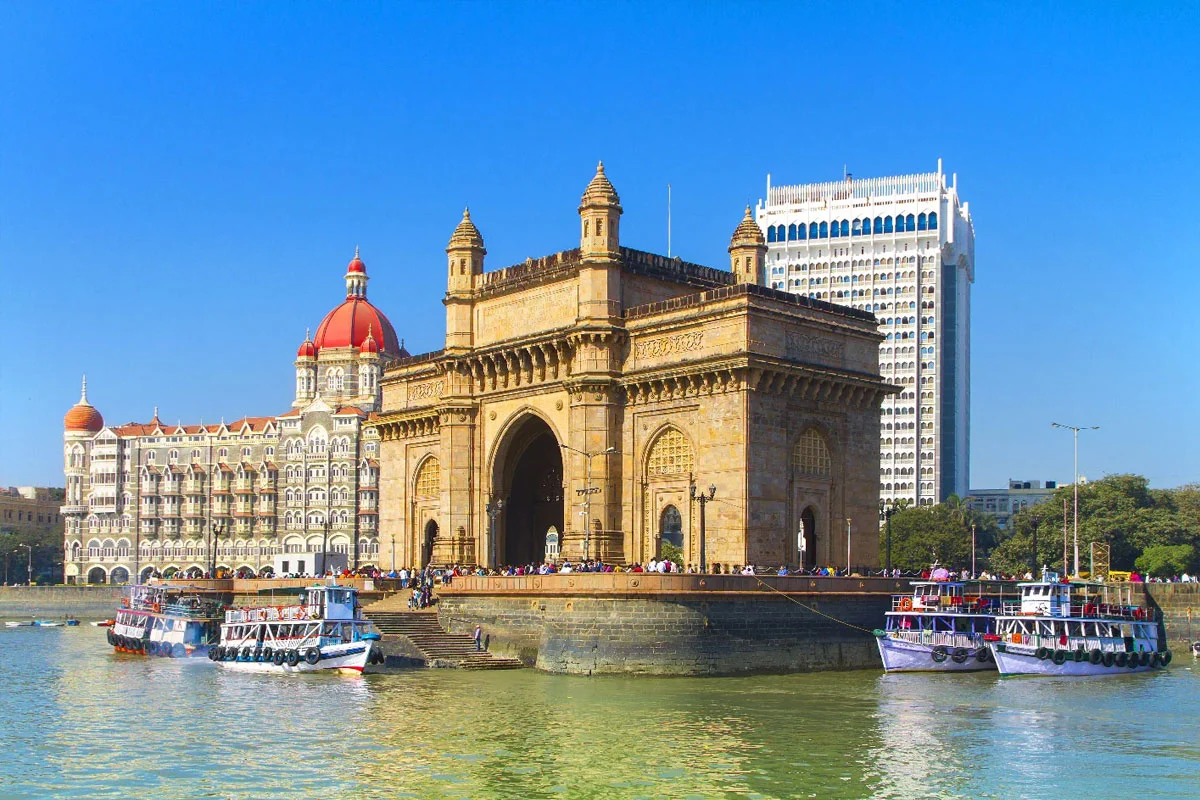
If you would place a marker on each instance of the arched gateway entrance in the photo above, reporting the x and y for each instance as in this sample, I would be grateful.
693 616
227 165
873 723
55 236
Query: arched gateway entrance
528 475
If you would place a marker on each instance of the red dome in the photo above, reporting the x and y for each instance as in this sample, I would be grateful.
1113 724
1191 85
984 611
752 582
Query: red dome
307 350
83 417
348 326
356 264
369 344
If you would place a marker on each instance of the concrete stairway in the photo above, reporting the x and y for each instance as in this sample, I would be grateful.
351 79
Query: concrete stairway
436 645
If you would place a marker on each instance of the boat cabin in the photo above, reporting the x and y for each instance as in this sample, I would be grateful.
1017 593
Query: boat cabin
332 602
927 596
1046 598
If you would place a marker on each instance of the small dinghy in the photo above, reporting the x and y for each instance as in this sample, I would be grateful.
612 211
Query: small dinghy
104 623
18 624
45 623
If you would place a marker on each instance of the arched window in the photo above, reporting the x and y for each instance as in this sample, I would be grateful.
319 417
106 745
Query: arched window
429 479
921 224
671 454
845 227
771 233
801 229
878 226
811 456
856 228
887 224
933 220
670 526
812 230
909 222
791 232
824 230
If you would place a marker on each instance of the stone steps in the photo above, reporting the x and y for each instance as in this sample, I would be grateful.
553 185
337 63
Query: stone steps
423 630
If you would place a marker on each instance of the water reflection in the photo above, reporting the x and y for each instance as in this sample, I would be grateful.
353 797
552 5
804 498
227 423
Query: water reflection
82 722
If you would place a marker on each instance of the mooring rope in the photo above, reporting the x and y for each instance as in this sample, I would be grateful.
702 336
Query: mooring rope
810 608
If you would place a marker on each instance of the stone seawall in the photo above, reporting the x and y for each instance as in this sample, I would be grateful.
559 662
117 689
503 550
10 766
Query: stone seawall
93 602
1180 607
673 624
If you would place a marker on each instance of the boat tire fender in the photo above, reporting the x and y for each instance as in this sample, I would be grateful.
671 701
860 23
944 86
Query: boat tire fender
111 637
1109 658
1165 657
1121 659
247 653
312 655
1042 653
178 650
1079 654
983 655
278 658
1060 657
213 653
1135 660
938 654
293 657
959 655
1096 656
268 653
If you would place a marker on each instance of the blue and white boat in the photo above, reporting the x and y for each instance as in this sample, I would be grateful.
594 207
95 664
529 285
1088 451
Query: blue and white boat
1076 628
325 632
166 620
937 628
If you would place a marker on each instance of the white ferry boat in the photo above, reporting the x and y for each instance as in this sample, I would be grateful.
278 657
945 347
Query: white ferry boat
165 620
1076 629
937 628
325 632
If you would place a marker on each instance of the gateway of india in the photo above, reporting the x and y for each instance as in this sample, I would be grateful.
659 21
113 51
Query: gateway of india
605 402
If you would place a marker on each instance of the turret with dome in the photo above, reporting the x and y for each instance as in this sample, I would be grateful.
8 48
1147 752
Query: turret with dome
354 342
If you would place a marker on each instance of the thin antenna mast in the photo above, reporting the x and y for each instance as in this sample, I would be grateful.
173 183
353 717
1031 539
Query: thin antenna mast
668 220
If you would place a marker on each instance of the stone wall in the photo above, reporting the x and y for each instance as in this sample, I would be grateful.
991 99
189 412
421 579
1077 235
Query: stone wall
97 602
1180 607
673 625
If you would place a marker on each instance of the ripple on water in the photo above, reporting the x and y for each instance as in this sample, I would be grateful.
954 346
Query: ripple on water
83 722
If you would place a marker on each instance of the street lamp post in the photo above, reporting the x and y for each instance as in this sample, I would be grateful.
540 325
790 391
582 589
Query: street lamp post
217 530
848 521
973 550
30 549
886 509
586 492
1075 429
703 499
493 508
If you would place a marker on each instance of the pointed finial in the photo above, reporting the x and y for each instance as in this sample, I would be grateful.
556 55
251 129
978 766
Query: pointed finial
466 212
356 251
83 391
401 344
370 328
156 412
308 334
600 167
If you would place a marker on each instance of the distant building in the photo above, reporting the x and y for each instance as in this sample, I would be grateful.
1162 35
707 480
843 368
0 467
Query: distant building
1003 503
158 498
29 508
903 248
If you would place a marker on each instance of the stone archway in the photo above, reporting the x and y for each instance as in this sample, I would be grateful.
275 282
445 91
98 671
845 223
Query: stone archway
431 532
118 575
528 474
808 536
97 575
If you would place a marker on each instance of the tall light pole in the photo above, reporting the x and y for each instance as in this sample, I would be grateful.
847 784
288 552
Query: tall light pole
973 573
848 521
1075 429
493 508
30 549
703 499
886 509
586 492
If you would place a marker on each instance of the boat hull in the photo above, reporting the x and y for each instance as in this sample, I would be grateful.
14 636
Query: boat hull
899 655
349 658
1026 662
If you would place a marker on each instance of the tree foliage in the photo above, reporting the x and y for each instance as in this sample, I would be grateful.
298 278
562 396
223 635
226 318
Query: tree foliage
47 544
1165 560
1121 511
942 533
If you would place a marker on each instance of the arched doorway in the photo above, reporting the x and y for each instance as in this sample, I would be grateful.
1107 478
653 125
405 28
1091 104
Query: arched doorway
147 574
431 532
807 538
552 544
97 575
118 575
529 469
670 534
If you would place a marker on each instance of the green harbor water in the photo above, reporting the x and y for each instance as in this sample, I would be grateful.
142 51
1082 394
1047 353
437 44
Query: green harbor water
79 721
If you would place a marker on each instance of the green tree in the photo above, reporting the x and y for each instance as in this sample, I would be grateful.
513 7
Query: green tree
1164 560
942 533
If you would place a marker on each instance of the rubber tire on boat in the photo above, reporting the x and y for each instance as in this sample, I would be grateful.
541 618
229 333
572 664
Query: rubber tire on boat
1096 656
938 654
178 650
1155 659
1042 653
1166 657
293 657
257 654
111 637
1109 658
982 655
1121 659
279 658
213 653
1144 660
1079 655
268 653
312 655
1135 660
247 653
959 655
1060 657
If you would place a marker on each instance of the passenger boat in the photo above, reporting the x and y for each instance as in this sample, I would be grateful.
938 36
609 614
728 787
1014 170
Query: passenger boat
165 620
1075 628
937 628
325 632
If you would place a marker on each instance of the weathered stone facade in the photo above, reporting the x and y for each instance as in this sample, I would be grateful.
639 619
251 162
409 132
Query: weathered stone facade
581 395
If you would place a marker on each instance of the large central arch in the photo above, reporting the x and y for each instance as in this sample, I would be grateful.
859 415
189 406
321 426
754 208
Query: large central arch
528 474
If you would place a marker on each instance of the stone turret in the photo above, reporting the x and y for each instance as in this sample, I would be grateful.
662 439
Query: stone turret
748 251
600 217
465 254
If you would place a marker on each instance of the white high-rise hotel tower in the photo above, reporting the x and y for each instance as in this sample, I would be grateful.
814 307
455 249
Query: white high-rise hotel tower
904 248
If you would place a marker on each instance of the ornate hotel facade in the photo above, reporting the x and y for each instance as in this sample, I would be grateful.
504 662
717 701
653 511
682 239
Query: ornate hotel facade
902 248
155 498
584 399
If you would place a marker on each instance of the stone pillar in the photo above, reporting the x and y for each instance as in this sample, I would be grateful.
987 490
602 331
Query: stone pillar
457 529
595 426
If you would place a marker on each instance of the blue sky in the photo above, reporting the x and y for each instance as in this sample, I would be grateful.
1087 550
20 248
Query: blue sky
181 186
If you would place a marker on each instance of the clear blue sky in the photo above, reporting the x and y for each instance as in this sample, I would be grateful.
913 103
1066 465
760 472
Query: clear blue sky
181 186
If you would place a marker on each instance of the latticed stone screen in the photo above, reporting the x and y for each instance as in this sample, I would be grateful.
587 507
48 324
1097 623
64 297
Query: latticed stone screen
429 479
811 456
670 455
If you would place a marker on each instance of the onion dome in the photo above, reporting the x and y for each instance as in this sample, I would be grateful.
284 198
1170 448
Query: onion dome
349 324
356 264
466 235
600 191
369 345
307 348
747 232
83 417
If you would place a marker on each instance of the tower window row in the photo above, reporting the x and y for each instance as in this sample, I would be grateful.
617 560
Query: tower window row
866 226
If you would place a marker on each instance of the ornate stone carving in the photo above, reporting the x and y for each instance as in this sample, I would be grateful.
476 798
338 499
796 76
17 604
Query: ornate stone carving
668 345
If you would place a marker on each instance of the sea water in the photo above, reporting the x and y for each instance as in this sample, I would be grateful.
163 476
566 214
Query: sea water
77 720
